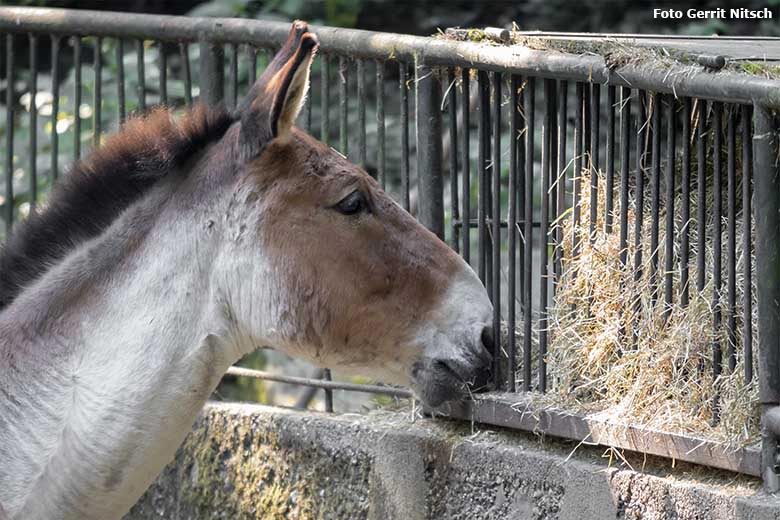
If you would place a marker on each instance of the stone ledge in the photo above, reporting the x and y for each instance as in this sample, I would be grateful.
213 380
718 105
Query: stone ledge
251 461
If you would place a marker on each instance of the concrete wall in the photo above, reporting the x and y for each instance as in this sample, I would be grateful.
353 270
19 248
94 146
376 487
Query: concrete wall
250 461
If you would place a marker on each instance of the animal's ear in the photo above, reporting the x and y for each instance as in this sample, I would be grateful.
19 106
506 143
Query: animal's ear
272 105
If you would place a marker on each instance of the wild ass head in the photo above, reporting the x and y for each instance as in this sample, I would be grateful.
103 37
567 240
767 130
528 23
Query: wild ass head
325 266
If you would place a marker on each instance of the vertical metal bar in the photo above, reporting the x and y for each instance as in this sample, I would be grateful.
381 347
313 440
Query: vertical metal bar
452 112
77 97
685 202
325 101
120 79
483 129
98 92
361 110
766 147
429 152
495 238
595 119
701 193
33 88
380 123
343 122
328 393
669 224
514 135
185 63
55 105
747 291
655 192
403 71
252 53
139 47
464 161
10 109
717 354
625 148
731 243
163 74
212 72
610 173
529 96
579 144
543 231
560 178
586 129
639 188
233 66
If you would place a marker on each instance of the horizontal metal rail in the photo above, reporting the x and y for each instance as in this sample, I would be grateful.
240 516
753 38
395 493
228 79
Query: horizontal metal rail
519 412
678 80
402 393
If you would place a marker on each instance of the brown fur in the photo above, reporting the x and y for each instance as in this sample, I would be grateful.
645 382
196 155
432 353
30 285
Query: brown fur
358 281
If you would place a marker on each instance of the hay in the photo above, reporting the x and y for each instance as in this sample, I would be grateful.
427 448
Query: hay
614 353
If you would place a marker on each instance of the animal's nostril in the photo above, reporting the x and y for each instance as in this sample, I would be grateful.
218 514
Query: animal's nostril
488 340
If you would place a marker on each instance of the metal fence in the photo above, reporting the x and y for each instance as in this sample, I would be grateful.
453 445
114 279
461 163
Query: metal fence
651 132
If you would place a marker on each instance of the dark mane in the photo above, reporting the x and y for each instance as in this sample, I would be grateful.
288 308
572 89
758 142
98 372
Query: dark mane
89 198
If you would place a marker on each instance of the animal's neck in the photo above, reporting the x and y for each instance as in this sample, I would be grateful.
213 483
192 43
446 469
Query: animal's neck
135 343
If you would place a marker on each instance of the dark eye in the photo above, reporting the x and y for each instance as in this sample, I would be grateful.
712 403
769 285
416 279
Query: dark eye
352 204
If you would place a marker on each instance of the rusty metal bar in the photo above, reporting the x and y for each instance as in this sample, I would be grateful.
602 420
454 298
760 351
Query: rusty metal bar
163 65
529 99
669 181
185 63
429 150
325 383
747 251
76 97
120 80
361 112
678 80
483 156
766 172
380 124
343 105
625 151
495 215
465 113
55 105
452 118
403 72
139 49
97 99
685 203
10 109
731 239
212 72
33 89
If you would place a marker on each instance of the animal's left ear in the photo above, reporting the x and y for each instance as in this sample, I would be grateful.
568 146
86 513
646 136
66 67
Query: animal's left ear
273 103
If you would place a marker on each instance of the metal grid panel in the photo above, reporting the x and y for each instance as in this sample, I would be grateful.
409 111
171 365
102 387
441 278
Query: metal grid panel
557 104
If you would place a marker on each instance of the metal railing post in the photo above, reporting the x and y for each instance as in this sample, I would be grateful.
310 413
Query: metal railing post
429 149
766 145
212 72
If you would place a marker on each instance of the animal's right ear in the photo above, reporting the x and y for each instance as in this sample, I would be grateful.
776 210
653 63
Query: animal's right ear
271 106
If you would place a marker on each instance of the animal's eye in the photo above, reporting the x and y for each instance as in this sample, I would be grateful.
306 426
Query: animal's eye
352 204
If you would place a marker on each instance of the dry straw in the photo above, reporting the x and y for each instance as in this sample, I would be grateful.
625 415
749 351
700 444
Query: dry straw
615 353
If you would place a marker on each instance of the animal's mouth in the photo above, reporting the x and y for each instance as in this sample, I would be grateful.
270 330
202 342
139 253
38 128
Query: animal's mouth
438 381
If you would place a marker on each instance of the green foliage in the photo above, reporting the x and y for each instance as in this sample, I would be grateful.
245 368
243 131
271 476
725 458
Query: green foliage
342 13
